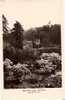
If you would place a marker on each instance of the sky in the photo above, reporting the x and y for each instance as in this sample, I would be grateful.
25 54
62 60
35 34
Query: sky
32 13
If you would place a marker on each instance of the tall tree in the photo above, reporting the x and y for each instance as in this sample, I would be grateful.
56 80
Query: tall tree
56 34
18 35
4 24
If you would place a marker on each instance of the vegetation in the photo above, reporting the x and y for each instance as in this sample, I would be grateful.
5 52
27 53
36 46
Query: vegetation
32 58
43 72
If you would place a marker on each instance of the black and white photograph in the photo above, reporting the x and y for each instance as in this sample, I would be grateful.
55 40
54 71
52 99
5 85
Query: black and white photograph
32 56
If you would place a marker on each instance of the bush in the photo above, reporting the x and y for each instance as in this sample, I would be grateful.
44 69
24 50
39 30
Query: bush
14 74
44 71
52 82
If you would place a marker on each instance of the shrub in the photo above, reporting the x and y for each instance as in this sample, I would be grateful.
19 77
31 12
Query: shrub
14 74
52 82
44 71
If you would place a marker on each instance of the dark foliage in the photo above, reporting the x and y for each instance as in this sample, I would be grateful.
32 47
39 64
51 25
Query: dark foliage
47 35
17 32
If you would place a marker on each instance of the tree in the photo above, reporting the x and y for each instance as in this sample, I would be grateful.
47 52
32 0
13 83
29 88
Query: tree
43 35
18 35
56 34
4 24
31 35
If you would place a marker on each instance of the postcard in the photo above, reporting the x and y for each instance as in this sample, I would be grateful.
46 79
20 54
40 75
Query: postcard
32 49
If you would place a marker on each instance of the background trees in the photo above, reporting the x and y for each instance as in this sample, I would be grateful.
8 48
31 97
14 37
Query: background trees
55 34
48 35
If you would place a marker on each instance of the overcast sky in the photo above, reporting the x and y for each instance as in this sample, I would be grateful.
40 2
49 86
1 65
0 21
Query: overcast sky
32 13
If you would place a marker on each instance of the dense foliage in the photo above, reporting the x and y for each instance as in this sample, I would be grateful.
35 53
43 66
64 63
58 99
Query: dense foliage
32 58
43 72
